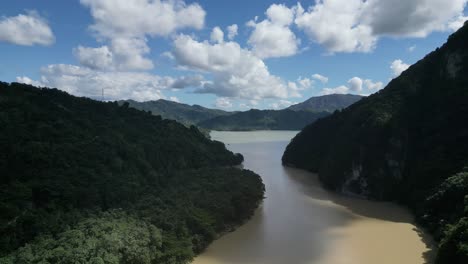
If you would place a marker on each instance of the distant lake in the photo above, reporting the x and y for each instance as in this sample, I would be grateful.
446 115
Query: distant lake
301 223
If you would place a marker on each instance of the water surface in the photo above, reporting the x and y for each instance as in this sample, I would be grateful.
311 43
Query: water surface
301 223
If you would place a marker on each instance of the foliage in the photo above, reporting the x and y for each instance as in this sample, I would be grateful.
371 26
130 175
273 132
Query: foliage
183 113
326 103
263 120
110 237
67 162
454 246
401 143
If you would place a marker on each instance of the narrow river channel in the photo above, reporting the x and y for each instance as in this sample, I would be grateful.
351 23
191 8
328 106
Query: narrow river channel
301 223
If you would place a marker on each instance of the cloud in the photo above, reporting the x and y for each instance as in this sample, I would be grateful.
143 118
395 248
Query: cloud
373 86
236 72
356 25
273 37
338 90
81 81
355 84
305 83
457 22
187 81
95 58
411 48
295 88
124 54
321 78
232 31
174 99
26 29
123 18
127 38
217 35
336 26
27 80
280 104
417 18
398 66
223 102
249 104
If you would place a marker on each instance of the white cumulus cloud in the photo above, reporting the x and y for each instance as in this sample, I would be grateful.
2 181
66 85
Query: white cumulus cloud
26 29
217 35
280 104
174 99
398 66
119 18
82 81
126 26
373 86
321 78
223 102
338 90
356 25
236 72
336 25
232 31
273 37
355 84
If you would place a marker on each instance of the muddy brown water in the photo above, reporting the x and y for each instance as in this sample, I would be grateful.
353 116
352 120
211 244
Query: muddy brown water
301 223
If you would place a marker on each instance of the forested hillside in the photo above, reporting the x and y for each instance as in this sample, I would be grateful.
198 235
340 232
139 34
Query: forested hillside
326 103
408 143
263 120
83 181
183 113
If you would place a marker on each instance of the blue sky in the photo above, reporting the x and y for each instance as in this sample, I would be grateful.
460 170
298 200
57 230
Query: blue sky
281 54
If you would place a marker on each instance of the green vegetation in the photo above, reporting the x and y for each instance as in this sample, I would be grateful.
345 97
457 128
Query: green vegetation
183 113
89 182
263 120
326 103
406 143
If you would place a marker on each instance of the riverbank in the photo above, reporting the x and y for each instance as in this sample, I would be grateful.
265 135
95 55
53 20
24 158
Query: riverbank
300 222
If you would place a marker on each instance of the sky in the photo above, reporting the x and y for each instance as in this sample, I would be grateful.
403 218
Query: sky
232 55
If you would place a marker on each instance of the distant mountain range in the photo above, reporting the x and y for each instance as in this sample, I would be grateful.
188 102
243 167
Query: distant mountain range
292 118
255 119
183 113
326 103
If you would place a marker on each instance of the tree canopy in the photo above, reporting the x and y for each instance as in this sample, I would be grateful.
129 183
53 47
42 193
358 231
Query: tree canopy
87 181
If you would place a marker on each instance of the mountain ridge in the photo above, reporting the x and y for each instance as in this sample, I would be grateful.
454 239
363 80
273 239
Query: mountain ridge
405 143
326 103
291 118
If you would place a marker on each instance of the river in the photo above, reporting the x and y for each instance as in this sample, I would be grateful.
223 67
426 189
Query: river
301 223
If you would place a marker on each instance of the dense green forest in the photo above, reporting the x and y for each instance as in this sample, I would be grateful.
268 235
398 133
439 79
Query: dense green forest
294 117
83 181
263 120
326 103
183 113
406 143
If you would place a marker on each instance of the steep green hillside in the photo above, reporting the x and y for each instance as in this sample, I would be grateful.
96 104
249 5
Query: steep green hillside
263 120
89 182
183 113
403 144
326 103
